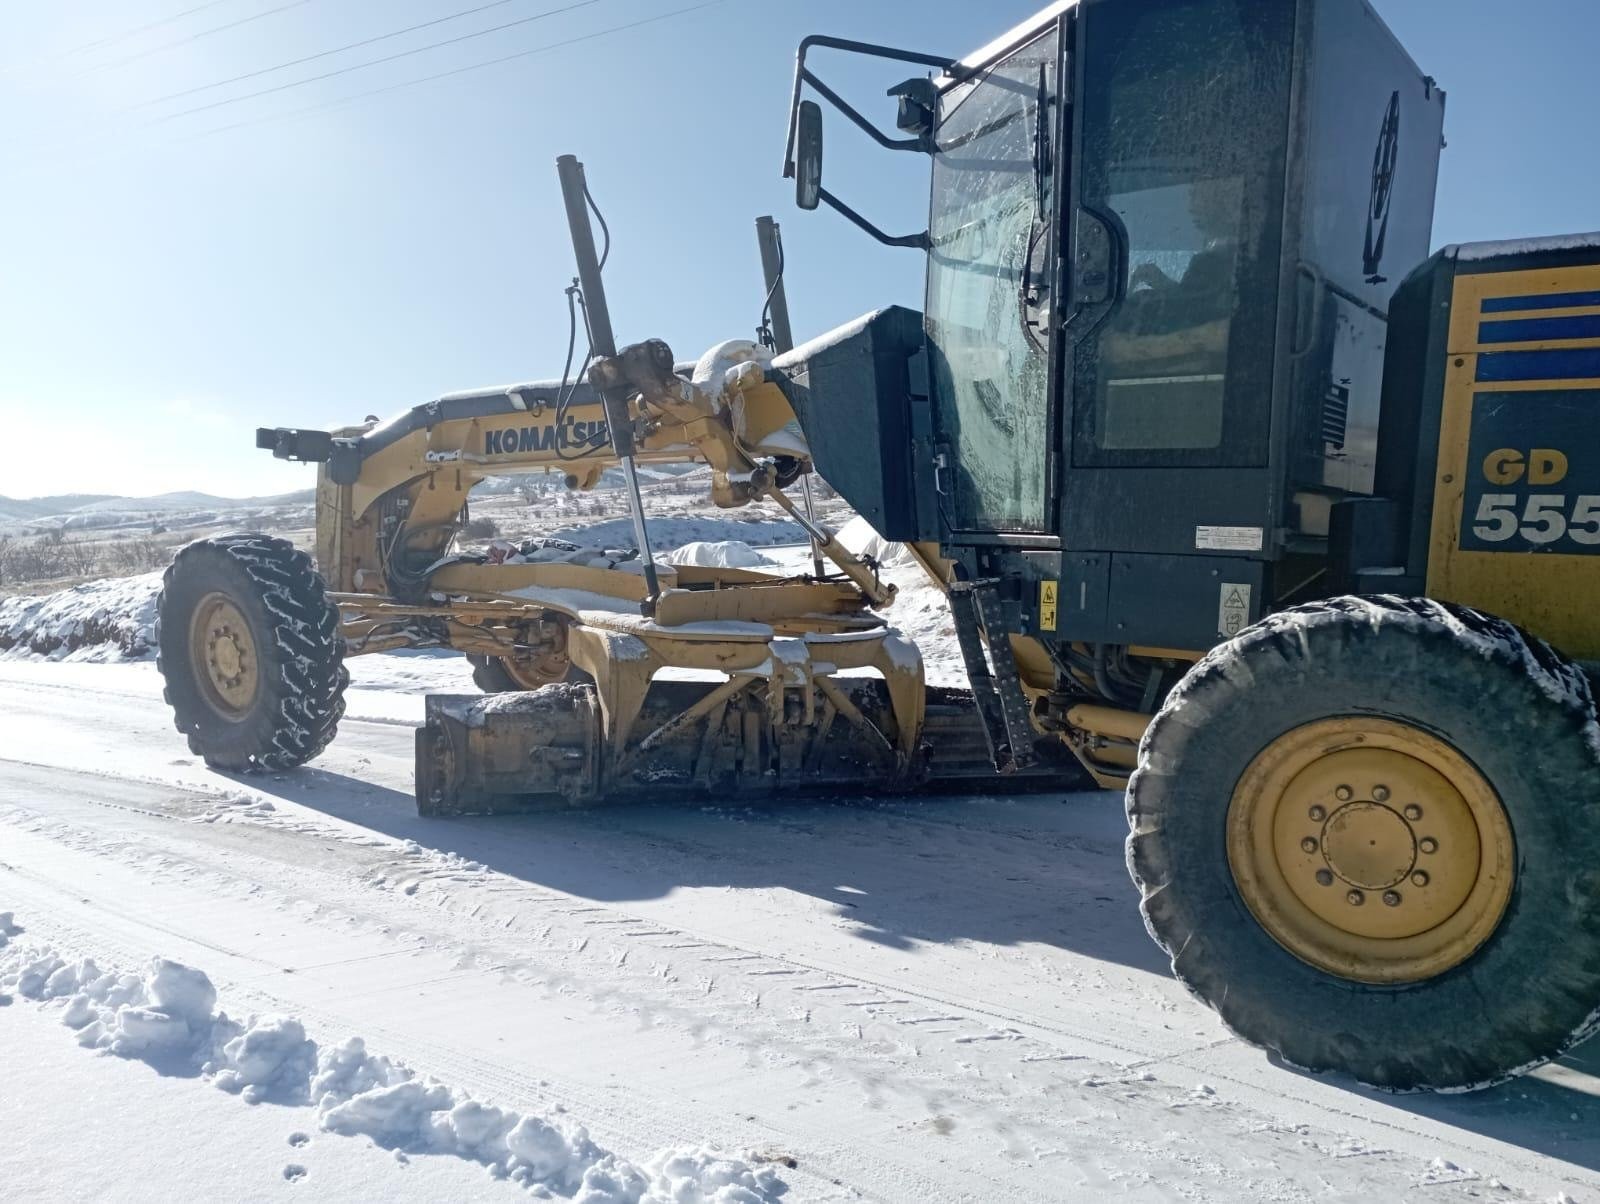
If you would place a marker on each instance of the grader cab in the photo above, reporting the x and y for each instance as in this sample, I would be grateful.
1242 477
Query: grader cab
1242 502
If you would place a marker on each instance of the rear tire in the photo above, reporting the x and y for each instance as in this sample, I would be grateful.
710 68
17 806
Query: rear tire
250 651
1514 717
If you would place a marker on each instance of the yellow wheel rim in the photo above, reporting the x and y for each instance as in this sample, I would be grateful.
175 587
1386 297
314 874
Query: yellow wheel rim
1371 849
224 655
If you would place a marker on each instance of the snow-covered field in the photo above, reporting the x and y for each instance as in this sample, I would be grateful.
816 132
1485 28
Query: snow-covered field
252 987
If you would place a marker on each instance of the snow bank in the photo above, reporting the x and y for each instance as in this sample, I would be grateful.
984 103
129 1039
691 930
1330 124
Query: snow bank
99 620
920 610
167 1016
859 537
717 554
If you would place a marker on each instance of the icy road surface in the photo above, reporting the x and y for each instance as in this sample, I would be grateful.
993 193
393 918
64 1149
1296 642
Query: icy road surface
915 1001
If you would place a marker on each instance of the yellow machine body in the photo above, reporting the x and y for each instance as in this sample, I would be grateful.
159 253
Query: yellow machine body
1516 496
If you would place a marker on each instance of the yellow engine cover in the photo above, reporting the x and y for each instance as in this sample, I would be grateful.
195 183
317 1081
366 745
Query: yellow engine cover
1516 516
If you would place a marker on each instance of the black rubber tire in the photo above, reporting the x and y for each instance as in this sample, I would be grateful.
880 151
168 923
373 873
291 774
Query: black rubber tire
490 675
295 628
1521 713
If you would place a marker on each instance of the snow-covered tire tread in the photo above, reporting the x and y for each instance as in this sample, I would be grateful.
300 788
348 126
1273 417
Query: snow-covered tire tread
301 652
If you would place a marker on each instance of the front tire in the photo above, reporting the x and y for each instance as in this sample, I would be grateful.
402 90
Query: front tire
1367 831
250 651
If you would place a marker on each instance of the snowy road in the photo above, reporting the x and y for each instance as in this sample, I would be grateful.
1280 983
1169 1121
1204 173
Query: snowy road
940 1000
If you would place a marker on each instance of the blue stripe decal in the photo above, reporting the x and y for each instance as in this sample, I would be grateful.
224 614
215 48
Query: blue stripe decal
1534 330
1580 364
1501 305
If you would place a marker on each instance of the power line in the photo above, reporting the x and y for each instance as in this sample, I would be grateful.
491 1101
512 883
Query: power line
354 98
133 33
341 101
113 39
388 58
322 54
193 37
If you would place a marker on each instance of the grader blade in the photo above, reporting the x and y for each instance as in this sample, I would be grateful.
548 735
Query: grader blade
697 740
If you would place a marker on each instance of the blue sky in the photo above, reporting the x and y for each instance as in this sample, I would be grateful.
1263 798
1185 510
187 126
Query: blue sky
169 282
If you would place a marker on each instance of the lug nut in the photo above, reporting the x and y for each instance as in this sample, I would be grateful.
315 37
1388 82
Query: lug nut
1420 878
1324 877
1319 813
1391 898
1380 793
1309 844
1428 844
1355 898
1413 811
1343 794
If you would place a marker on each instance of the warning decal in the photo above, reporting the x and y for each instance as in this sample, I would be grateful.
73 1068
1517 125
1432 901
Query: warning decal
1227 539
1233 609
1047 606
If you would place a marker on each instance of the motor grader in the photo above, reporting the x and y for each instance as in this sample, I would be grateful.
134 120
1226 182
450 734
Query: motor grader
1243 502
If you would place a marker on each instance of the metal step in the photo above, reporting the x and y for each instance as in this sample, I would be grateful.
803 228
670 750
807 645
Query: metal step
999 622
997 691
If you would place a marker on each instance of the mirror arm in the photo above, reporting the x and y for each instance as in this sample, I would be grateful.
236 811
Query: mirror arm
802 75
920 241
872 131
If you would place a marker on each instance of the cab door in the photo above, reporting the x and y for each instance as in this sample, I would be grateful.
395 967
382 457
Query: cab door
991 272
1177 204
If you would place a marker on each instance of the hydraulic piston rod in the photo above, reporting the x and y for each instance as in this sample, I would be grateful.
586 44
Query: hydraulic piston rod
575 192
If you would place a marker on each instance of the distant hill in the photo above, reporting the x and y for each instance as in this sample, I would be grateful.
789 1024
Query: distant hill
67 506
38 507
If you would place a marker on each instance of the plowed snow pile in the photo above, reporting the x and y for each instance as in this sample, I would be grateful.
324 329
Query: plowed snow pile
167 1017
99 620
718 554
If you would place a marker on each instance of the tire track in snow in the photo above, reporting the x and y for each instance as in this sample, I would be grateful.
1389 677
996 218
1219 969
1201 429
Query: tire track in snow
1271 1091
229 860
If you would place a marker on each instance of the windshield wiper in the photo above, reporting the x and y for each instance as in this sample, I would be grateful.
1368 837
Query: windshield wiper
1042 159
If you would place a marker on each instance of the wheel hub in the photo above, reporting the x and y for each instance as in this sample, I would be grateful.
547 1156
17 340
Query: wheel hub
1368 845
1371 849
224 655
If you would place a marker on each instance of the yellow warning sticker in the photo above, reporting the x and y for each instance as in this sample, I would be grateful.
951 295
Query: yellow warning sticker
1047 606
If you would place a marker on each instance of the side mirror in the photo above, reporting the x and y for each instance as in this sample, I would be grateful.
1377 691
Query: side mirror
808 155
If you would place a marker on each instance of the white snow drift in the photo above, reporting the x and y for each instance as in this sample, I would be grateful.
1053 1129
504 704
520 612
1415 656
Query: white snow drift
167 1016
718 554
97 620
